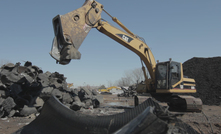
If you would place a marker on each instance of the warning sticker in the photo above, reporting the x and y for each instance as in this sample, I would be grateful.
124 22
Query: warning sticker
86 28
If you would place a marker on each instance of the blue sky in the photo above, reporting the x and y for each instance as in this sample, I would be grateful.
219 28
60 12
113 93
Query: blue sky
177 29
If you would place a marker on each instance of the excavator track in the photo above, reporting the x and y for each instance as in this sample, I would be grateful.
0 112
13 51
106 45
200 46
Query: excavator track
180 103
185 103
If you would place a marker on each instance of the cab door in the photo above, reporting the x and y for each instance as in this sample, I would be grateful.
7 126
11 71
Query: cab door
162 75
175 73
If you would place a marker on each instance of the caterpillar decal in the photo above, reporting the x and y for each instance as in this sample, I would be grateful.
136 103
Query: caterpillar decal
125 37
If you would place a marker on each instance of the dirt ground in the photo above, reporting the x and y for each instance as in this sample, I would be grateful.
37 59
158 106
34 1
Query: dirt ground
206 122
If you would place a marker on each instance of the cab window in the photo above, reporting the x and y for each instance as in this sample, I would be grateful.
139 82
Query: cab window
174 72
161 76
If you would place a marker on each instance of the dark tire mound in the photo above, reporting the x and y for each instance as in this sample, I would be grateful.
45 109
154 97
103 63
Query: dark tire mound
207 74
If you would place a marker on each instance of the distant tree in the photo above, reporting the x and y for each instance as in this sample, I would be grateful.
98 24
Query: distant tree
137 75
102 87
131 77
124 81
110 84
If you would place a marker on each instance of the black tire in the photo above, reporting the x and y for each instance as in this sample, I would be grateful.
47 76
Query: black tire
8 104
55 118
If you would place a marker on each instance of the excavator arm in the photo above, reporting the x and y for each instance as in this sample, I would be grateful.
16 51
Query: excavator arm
72 28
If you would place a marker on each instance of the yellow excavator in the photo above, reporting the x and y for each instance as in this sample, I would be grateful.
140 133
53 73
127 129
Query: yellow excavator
166 78
70 84
109 88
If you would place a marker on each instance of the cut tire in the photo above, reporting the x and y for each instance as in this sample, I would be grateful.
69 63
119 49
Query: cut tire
56 118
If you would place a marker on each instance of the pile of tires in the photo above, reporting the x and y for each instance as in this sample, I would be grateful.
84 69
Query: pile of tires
24 90
207 74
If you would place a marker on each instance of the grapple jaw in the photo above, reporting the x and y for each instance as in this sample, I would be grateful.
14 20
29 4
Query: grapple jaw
71 29
63 48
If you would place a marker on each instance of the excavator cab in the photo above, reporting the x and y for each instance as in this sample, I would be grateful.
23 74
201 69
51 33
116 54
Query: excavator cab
170 79
167 74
